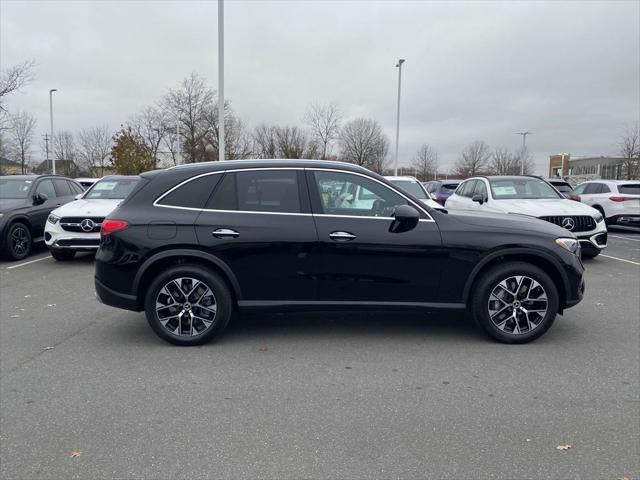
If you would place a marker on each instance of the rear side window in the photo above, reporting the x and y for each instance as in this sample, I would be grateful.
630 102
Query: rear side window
632 189
62 187
193 194
258 191
75 188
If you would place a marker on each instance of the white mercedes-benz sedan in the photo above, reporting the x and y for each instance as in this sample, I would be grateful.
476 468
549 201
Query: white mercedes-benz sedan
532 196
75 226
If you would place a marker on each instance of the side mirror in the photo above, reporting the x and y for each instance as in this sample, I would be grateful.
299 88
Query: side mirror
405 218
39 198
78 196
479 198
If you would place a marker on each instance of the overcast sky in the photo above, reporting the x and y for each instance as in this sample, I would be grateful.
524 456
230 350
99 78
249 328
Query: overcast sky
567 71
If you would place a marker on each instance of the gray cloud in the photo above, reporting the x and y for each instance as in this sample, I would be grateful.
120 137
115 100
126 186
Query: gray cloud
569 72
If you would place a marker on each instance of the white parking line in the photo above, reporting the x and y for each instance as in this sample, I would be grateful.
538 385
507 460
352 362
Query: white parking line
621 259
27 263
625 238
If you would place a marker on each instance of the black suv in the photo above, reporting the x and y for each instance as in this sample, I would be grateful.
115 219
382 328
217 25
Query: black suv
193 244
25 204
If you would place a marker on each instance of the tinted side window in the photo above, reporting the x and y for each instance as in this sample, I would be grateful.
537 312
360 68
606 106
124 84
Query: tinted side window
592 188
258 191
62 187
630 189
467 188
481 189
580 189
75 188
604 188
46 187
193 194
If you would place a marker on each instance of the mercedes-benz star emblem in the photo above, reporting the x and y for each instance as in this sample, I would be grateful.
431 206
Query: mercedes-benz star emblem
87 225
568 223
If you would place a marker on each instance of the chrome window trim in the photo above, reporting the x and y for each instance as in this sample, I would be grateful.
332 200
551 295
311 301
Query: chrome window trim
184 182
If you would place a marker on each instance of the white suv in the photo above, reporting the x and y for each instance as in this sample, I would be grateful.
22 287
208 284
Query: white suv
75 226
532 196
414 187
617 200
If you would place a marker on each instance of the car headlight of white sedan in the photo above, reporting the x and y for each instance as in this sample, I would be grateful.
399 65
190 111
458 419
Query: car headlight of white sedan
53 219
598 217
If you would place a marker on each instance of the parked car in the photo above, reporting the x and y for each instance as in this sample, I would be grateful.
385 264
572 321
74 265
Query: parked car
75 227
194 243
617 200
25 203
86 182
564 188
414 187
440 190
529 195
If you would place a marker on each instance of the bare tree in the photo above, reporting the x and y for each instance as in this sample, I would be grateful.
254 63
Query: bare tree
503 162
473 159
265 141
294 143
629 148
64 146
95 148
152 124
363 142
425 162
190 101
236 139
324 123
22 127
14 78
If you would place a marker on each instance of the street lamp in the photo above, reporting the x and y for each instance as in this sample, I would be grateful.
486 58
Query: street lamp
399 65
524 149
53 157
220 79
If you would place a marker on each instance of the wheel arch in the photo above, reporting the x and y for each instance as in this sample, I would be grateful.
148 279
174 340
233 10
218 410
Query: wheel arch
542 260
168 258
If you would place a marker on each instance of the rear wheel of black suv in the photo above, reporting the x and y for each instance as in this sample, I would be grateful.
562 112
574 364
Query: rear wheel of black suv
188 305
515 302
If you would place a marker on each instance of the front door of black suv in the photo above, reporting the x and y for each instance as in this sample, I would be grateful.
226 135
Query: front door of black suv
360 258
259 222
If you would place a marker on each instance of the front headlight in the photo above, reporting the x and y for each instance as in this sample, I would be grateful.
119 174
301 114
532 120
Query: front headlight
570 244
53 219
598 217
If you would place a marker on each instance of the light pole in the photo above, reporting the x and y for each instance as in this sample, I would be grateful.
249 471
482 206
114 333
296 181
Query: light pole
53 157
524 149
399 65
220 79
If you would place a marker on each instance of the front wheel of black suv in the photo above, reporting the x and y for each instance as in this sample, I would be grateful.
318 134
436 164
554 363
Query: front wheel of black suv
18 241
63 255
515 302
188 305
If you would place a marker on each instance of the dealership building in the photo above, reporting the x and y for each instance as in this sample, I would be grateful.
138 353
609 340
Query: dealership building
564 165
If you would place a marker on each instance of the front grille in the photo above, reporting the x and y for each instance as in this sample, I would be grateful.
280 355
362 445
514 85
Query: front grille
581 223
73 224
78 242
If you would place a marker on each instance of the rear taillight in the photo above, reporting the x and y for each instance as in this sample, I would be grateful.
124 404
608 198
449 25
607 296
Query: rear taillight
620 199
112 226
441 200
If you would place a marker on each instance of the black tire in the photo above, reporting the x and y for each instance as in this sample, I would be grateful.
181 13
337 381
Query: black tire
482 293
222 298
18 241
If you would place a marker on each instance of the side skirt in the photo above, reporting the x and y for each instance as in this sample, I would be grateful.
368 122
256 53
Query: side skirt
303 305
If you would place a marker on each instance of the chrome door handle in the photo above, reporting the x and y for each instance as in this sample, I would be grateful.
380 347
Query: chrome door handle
341 236
225 233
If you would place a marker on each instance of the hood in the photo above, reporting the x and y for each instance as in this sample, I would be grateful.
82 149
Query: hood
90 208
508 222
9 204
542 207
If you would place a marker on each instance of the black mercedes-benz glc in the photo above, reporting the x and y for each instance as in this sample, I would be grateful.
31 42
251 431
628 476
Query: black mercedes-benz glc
193 244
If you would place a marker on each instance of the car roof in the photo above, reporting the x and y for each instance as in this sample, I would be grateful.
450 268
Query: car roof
34 177
268 163
613 182
404 177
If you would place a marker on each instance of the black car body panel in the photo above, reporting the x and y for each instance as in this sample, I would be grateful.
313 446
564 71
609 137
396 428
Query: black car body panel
289 260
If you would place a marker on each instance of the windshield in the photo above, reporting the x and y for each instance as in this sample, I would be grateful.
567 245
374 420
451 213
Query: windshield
449 187
112 189
14 187
525 188
411 187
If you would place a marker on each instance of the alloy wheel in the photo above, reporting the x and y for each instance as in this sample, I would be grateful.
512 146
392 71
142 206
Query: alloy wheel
186 307
19 240
517 305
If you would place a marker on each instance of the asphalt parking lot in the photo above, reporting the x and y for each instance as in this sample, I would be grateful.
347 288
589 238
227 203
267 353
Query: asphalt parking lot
88 391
